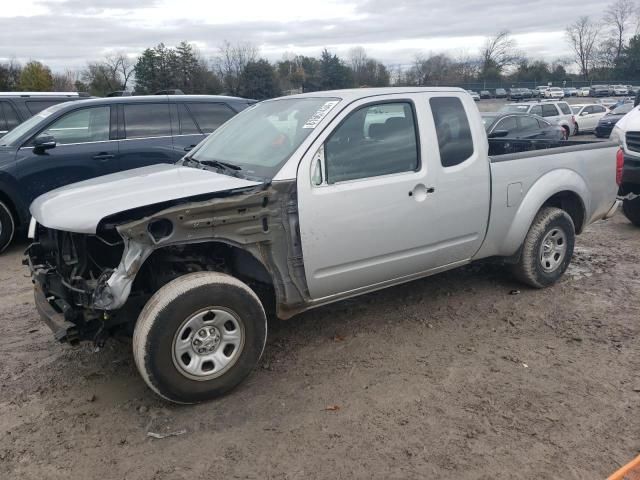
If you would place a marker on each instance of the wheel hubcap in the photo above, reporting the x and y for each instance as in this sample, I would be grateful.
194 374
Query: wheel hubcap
208 343
553 249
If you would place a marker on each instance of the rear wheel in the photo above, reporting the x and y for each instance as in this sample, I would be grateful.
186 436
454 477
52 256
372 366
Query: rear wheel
199 336
7 226
631 210
565 136
576 130
547 248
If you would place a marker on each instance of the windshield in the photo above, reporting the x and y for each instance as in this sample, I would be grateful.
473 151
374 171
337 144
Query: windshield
515 108
622 109
15 134
263 137
576 108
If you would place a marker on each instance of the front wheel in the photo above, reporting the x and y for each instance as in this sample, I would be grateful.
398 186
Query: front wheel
199 336
631 210
547 248
7 226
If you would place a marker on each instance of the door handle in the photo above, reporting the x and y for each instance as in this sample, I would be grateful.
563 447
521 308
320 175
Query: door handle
189 148
420 192
103 156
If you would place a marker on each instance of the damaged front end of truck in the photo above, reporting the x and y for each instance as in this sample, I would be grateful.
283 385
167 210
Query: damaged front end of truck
89 286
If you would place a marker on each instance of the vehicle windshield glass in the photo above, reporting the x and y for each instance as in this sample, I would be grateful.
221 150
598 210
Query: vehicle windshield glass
515 108
576 109
488 119
622 109
262 138
15 135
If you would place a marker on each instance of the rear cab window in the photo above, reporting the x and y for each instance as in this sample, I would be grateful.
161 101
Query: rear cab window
452 129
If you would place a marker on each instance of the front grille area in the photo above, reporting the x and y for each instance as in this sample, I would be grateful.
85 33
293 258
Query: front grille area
633 141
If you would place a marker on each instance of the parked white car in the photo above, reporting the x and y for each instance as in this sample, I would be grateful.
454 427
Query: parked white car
620 90
554 92
540 91
587 116
584 92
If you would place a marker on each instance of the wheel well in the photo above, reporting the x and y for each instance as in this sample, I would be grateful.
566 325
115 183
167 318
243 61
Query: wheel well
168 263
571 203
4 198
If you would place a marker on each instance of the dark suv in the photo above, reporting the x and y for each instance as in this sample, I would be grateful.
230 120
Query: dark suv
70 142
16 107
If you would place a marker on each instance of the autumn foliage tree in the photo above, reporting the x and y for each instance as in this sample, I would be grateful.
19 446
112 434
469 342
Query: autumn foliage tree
35 77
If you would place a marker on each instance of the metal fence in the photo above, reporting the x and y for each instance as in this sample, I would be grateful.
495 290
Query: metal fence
477 86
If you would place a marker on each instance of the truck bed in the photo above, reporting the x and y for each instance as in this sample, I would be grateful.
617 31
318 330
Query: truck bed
506 146
579 171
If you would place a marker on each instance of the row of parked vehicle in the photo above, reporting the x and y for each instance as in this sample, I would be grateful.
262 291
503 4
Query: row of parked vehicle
544 91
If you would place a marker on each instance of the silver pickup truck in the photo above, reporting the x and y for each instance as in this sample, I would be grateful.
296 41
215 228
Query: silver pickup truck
298 202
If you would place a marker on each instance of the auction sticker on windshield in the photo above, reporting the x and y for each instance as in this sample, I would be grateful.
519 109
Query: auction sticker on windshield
315 119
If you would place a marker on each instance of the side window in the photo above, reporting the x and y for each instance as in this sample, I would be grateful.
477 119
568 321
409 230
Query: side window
564 108
528 123
145 120
187 124
36 106
81 126
372 141
536 110
598 109
507 124
543 123
10 115
3 123
549 110
452 128
210 115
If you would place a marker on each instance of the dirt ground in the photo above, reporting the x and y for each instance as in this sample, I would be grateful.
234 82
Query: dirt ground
465 375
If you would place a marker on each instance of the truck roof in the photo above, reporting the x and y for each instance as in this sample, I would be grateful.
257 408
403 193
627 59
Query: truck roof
356 93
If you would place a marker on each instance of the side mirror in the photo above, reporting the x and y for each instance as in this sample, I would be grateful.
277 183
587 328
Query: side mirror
499 134
637 101
582 114
43 142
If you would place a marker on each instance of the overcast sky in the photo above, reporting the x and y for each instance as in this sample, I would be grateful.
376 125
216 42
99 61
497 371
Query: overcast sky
68 33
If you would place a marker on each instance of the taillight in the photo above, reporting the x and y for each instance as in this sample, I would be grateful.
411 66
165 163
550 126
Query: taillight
619 166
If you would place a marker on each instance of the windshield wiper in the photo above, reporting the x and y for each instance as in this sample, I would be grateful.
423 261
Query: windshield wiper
215 163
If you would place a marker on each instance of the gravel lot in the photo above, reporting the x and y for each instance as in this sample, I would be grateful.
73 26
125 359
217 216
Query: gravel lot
465 375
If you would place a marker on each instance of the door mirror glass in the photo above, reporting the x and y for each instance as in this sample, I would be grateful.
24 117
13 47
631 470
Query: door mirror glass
499 133
583 113
43 142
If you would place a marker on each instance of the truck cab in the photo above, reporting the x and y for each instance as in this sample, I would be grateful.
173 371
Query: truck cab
295 203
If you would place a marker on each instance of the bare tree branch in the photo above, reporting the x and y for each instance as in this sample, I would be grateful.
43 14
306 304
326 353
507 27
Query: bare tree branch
581 36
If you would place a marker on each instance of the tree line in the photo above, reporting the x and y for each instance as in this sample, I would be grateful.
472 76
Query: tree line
603 49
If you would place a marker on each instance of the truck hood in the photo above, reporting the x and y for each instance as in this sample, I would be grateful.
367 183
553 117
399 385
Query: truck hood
81 206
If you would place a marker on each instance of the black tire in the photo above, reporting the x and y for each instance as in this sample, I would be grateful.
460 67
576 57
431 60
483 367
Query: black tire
7 227
631 210
534 270
566 133
576 131
164 316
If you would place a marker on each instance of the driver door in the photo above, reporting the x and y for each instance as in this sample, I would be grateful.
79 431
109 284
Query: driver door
83 150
